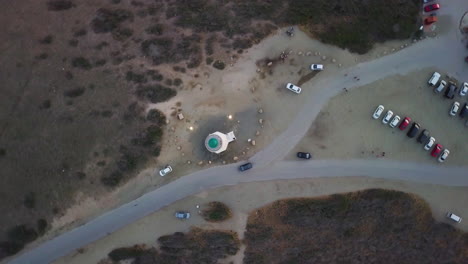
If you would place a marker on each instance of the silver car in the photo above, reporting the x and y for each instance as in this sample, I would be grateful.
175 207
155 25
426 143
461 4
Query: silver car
293 88
387 117
165 171
395 121
182 215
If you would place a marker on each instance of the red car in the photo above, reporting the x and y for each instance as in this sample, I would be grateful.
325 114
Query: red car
430 8
436 151
405 123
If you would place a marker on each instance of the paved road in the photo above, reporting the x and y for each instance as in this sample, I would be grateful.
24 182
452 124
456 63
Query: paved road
444 52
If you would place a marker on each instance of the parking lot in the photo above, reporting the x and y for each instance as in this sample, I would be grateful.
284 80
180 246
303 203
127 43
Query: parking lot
345 128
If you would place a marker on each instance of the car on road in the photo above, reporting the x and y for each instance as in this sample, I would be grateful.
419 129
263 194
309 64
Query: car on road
316 67
166 170
434 79
414 130
387 117
454 109
395 121
427 1
464 110
444 155
436 150
378 111
182 215
454 217
430 8
403 125
293 88
450 91
464 89
441 86
429 143
246 166
304 155
423 137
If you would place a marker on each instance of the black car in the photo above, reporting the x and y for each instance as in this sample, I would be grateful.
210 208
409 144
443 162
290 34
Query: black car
304 155
464 111
451 90
424 136
246 166
414 130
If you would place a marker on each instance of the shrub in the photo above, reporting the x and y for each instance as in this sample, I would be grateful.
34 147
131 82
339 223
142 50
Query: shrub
30 200
21 234
82 63
80 32
136 78
59 5
47 39
216 212
75 92
219 65
157 117
41 226
8 248
124 253
121 34
73 42
156 93
107 20
177 81
113 179
209 60
155 30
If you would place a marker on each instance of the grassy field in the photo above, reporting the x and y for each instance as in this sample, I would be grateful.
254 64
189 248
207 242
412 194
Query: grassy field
372 226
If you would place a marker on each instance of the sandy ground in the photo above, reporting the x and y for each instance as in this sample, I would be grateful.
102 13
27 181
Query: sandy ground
345 129
206 101
244 198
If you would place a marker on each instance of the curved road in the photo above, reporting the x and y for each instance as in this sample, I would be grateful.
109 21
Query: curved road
445 52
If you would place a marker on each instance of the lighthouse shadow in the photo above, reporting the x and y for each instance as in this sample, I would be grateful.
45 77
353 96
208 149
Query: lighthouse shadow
243 124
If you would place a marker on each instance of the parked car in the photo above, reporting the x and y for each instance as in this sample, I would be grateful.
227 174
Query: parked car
430 20
444 155
378 111
429 143
316 67
436 150
414 130
454 217
427 1
387 117
430 8
454 109
182 215
434 79
464 111
405 123
464 89
246 166
423 137
395 121
304 155
293 88
166 170
441 86
450 91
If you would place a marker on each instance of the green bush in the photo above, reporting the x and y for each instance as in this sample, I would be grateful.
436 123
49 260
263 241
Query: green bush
82 63
124 253
216 212
219 65
156 93
107 20
75 92
22 234
157 117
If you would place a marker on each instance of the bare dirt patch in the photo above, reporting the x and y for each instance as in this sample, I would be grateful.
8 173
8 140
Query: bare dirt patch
367 225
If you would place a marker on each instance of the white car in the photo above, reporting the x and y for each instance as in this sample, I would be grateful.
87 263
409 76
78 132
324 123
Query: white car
464 90
430 143
387 117
182 215
454 109
395 121
434 79
444 155
454 217
378 111
441 86
165 171
316 67
293 88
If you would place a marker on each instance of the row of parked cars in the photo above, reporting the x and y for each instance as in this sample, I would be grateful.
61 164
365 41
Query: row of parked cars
424 137
296 89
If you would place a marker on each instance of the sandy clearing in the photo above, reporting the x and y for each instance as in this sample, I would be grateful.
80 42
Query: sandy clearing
344 129
222 93
243 198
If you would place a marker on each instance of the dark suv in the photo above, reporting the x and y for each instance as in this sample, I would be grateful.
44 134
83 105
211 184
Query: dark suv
451 90
464 111
246 166
414 130
424 136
